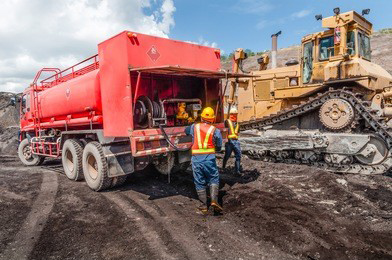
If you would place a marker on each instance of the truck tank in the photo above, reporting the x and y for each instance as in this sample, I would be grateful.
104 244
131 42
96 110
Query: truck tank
331 109
75 97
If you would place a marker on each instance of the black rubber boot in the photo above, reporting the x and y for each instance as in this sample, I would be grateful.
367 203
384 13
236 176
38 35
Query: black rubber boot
202 194
214 191
237 167
224 162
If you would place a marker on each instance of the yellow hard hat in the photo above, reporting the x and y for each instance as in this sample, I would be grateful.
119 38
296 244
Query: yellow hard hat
208 113
233 110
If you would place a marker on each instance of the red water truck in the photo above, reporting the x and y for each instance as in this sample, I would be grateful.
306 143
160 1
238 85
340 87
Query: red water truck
123 109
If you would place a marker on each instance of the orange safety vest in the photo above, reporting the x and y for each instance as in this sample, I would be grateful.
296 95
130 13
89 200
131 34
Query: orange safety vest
233 133
203 139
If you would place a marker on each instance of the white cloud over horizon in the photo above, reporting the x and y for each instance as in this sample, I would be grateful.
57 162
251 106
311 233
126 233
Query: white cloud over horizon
253 6
296 15
39 33
301 14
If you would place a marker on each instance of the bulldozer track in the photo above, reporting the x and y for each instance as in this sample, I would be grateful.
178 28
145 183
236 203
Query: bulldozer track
376 123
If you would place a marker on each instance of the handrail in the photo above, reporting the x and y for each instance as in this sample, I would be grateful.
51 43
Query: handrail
55 70
74 73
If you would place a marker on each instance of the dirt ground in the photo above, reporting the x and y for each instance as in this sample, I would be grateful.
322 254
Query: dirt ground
272 211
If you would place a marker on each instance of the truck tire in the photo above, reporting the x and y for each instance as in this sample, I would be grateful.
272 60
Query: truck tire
118 181
26 156
72 155
95 167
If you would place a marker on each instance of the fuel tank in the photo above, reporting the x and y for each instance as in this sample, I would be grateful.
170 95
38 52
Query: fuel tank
75 98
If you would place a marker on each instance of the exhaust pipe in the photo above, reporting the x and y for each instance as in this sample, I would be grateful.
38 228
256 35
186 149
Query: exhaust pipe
274 48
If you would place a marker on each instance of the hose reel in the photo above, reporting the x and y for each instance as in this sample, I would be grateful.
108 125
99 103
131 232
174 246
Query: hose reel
148 113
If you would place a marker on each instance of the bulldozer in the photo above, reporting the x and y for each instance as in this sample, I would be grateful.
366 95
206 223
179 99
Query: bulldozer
331 109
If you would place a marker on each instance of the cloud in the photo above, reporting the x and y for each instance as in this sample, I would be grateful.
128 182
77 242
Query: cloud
252 6
301 14
281 21
261 24
202 41
40 33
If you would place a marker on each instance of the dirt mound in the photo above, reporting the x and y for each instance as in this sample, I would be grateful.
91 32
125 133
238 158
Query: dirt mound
382 50
314 214
9 124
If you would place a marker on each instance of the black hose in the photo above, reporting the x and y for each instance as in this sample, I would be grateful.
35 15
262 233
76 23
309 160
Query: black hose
170 143
241 67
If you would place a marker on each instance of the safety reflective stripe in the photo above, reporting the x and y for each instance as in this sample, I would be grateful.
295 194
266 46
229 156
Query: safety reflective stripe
202 151
198 135
207 137
203 148
234 133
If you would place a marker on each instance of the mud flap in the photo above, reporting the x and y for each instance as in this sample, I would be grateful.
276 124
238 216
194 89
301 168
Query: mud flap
119 159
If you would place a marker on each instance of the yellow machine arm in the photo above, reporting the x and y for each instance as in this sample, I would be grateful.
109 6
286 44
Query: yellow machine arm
239 56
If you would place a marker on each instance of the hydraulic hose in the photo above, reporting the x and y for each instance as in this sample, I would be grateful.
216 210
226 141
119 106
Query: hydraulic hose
241 67
170 143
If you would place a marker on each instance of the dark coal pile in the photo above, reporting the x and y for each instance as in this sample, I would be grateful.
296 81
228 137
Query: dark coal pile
314 214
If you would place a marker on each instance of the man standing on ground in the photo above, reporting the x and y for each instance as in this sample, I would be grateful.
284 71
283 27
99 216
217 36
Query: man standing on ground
206 141
233 144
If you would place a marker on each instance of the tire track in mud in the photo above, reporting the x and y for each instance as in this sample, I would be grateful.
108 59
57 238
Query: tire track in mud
218 229
173 225
147 230
30 230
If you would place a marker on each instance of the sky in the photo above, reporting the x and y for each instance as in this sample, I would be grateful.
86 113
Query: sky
59 33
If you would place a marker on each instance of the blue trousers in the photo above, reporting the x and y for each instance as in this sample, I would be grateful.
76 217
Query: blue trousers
205 171
230 146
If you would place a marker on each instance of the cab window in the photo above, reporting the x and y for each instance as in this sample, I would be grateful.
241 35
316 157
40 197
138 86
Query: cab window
307 62
351 43
326 48
364 46
25 103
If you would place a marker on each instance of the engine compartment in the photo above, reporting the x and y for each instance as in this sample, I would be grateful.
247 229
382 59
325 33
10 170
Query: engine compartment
173 100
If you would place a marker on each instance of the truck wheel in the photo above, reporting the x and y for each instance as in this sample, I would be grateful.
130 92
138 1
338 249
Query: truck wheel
95 167
118 181
26 156
71 156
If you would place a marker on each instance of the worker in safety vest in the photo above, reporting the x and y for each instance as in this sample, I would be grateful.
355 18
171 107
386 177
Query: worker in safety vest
206 141
233 144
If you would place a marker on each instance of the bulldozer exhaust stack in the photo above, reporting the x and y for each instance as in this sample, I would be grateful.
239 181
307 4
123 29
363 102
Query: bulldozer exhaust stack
274 48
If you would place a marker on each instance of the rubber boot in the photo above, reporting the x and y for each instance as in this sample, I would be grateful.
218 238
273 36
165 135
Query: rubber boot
214 191
202 194
224 162
237 167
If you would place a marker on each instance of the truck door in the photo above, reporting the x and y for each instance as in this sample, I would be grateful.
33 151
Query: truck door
25 110
307 62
